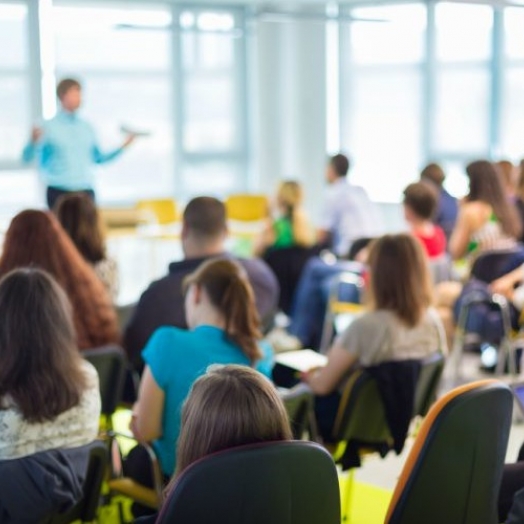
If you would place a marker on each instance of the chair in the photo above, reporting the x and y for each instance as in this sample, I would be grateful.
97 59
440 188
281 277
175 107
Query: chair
361 426
86 509
486 268
287 265
246 207
277 482
161 210
111 364
454 470
337 306
299 403
55 486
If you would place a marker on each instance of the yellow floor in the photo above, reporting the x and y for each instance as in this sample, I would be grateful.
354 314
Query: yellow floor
369 503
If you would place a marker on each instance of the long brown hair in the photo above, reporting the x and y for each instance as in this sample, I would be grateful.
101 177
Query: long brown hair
229 406
230 292
35 238
399 277
485 186
40 367
78 215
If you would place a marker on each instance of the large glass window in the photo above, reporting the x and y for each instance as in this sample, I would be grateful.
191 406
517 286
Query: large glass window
15 112
122 56
512 129
382 130
213 145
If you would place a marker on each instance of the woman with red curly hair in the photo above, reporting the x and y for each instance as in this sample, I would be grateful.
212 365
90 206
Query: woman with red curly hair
36 239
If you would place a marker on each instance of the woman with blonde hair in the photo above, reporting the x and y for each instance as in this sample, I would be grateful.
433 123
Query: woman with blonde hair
35 238
290 226
223 329
399 324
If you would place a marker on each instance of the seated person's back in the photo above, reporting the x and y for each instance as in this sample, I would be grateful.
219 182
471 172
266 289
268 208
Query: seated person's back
204 232
223 325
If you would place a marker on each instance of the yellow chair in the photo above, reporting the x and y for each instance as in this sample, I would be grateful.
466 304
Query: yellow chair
246 207
163 210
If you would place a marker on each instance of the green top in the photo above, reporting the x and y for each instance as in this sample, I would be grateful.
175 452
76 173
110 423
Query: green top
283 228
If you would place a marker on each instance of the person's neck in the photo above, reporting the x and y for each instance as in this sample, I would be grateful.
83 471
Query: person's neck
194 249
209 316
421 225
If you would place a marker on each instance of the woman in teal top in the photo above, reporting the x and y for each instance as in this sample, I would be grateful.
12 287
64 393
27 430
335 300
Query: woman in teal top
222 318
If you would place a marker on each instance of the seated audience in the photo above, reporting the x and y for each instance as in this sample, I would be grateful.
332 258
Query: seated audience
420 202
35 238
487 221
78 215
290 226
228 406
519 196
447 207
223 329
311 296
348 213
400 323
49 396
204 233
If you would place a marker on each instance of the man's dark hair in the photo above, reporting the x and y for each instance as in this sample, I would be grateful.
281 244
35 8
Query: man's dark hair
65 85
205 217
422 199
340 164
434 173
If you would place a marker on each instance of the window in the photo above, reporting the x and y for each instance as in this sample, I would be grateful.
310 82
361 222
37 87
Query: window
122 56
212 126
16 117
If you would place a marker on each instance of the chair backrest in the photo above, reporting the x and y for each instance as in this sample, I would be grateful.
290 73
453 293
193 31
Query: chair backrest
246 207
361 415
111 364
299 402
454 470
162 210
287 265
86 509
492 264
278 483
428 382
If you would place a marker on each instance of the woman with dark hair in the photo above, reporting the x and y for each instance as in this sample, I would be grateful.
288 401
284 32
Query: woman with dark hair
487 220
78 215
49 396
399 325
223 329
35 238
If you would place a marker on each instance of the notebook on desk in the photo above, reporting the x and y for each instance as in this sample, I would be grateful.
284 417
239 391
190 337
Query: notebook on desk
301 360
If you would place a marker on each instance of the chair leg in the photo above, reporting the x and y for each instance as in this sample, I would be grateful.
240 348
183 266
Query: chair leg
348 494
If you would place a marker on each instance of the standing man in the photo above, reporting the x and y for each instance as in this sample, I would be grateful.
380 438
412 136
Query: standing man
66 148
348 213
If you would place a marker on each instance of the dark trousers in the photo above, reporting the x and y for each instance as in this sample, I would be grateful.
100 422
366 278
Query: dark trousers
54 193
512 481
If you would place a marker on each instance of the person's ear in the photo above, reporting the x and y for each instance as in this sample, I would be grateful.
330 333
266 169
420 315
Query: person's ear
183 232
197 293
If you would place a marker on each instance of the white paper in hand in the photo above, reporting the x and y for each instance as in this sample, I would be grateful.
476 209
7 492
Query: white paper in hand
137 132
301 360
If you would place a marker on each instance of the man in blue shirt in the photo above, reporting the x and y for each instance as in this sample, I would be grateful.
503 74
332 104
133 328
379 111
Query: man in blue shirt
66 148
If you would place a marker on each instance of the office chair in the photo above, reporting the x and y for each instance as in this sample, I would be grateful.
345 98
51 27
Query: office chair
454 470
289 482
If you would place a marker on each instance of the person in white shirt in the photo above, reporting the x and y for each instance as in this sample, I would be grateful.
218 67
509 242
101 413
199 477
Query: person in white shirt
348 213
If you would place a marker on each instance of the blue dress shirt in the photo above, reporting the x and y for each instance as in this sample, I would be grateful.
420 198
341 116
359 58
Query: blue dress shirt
66 153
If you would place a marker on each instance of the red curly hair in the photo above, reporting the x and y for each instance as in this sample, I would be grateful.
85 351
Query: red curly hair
36 239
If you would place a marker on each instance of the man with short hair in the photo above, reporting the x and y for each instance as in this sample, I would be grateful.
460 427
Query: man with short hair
348 212
66 148
204 232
